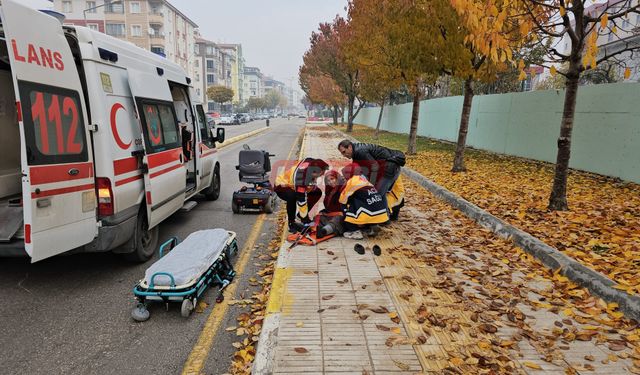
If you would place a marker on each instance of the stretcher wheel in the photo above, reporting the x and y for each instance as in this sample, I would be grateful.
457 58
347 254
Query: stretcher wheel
140 313
271 205
187 307
235 208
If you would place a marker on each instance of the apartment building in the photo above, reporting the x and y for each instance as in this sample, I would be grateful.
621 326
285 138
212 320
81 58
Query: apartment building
154 25
237 71
252 82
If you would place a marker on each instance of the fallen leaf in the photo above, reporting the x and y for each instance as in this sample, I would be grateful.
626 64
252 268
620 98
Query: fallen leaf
402 366
299 324
532 365
326 298
382 328
396 330
379 310
300 350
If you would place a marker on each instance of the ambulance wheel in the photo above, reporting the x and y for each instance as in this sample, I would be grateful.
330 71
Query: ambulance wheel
187 307
213 191
234 207
145 240
271 205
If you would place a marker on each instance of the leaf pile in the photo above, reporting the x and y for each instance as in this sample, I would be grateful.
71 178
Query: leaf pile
602 230
249 324
473 294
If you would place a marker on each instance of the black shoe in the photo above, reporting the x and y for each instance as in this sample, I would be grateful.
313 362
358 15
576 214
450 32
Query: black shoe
377 250
359 249
321 233
295 227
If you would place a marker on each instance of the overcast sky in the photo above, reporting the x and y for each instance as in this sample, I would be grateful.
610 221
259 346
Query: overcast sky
274 33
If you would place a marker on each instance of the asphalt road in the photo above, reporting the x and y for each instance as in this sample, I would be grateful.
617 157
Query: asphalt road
71 314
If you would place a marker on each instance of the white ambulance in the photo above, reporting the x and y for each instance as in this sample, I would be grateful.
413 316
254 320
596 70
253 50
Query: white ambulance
93 151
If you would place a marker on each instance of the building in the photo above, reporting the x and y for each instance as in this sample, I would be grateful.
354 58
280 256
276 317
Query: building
252 82
154 25
237 71
268 84
627 35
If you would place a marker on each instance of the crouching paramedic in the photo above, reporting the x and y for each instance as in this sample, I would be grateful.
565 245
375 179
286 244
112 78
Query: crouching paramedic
365 207
296 186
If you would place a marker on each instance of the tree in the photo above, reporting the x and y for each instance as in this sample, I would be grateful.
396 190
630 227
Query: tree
495 32
412 39
254 103
326 57
580 26
272 99
220 94
323 90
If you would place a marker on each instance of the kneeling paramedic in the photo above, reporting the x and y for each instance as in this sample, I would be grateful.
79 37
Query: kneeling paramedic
297 187
365 207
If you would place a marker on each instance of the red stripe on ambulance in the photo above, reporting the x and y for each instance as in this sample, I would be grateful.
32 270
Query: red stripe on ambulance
129 179
72 189
164 157
122 166
60 173
166 170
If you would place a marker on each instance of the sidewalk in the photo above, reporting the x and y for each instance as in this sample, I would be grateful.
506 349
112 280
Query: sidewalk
446 296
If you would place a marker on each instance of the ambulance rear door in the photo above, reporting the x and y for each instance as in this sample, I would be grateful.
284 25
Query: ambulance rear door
58 187
165 179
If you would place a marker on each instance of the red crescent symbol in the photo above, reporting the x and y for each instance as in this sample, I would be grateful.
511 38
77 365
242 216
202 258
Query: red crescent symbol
114 128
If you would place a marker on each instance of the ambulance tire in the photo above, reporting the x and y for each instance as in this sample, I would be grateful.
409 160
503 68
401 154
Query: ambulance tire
213 191
145 240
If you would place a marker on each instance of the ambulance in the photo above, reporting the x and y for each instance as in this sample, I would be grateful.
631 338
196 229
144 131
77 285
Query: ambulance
100 141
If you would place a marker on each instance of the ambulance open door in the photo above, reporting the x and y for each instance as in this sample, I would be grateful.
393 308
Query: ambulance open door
164 172
58 187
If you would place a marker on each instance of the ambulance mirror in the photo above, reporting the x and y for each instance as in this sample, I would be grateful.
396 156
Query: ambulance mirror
220 135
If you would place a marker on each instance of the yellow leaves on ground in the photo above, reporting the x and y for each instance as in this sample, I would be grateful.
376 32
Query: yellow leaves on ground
249 321
601 230
532 365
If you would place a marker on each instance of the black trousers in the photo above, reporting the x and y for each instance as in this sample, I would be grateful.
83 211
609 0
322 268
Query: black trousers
288 195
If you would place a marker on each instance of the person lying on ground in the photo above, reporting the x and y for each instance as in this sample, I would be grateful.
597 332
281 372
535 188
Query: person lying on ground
296 186
331 218
381 165
365 207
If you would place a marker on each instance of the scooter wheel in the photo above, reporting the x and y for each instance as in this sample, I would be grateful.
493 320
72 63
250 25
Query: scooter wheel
220 298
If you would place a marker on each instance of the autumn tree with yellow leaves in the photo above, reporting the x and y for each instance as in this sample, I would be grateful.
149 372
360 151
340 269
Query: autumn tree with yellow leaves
495 31
321 89
579 24
412 41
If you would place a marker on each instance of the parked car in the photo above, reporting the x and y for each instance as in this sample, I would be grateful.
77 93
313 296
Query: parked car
246 117
228 120
239 118
302 116
211 121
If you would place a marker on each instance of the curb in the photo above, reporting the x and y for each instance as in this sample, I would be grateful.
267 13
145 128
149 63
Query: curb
240 137
597 283
265 355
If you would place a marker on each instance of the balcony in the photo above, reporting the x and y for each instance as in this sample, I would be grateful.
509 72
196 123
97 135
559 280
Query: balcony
157 37
156 17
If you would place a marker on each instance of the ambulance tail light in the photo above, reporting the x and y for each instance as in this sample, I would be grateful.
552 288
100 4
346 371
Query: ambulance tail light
105 196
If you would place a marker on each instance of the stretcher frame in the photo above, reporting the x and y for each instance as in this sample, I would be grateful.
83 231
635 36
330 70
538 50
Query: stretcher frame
220 273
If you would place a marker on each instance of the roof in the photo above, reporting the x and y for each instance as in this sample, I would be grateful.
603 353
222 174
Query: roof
167 3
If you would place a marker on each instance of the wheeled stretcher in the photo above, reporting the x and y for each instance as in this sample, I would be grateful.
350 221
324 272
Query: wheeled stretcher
186 269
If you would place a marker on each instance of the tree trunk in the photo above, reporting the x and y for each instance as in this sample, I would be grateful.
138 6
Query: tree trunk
558 198
379 120
458 161
335 115
350 114
413 131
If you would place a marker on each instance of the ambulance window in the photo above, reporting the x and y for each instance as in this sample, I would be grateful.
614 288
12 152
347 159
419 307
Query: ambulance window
53 123
205 135
161 132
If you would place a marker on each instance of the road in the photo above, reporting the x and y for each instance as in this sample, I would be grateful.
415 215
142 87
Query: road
71 314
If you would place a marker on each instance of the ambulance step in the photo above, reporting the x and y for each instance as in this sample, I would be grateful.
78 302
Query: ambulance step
188 206
10 222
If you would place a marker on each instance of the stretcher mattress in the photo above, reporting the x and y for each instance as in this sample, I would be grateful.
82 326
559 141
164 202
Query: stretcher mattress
190 259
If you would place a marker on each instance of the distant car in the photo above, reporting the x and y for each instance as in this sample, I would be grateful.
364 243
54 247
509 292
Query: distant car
211 121
238 118
245 117
302 116
228 120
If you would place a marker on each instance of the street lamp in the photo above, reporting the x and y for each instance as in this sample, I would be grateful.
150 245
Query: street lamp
106 2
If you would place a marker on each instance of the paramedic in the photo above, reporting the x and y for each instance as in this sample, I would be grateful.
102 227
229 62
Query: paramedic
296 185
364 205
186 141
382 164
